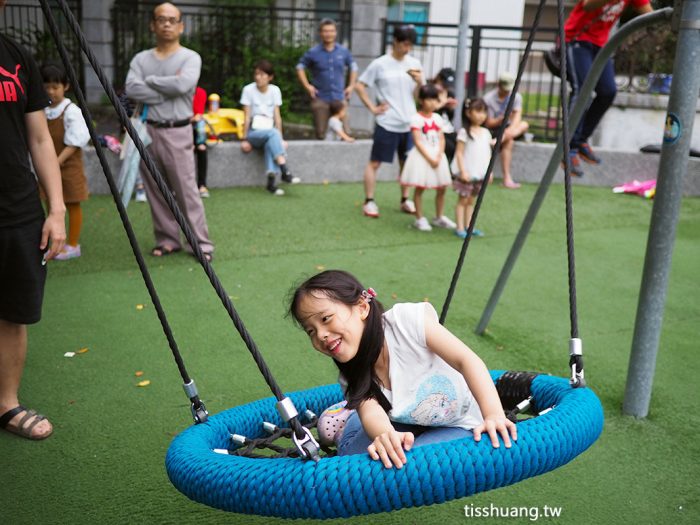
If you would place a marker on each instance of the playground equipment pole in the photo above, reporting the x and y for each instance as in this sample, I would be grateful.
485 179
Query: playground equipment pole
673 166
581 103
461 67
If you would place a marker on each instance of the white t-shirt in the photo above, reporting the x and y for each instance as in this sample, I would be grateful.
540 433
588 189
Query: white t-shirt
75 130
393 85
425 390
335 126
497 107
477 153
261 103
430 128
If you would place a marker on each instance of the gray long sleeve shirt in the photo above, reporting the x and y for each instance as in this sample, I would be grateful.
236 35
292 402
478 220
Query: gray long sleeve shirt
166 85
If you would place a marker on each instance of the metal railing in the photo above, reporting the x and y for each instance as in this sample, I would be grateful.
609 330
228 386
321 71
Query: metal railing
25 24
231 39
495 49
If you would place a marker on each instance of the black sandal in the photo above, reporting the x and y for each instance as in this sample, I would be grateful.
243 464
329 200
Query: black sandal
23 429
163 251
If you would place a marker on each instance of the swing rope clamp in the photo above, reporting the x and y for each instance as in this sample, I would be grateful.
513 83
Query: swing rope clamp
306 445
199 411
576 363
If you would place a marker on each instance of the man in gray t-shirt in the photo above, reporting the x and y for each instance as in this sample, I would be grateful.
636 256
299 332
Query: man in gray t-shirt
496 103
164 79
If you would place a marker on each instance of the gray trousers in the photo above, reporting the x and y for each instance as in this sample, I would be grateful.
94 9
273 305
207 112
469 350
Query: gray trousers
172 151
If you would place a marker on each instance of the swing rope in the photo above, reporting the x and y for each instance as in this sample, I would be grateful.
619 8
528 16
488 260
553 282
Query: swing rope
302 438
575 345
492 162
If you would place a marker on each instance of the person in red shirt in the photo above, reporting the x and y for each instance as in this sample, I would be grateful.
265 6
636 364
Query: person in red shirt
587 29
199 104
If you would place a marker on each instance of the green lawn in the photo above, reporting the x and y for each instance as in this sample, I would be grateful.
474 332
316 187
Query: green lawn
105 462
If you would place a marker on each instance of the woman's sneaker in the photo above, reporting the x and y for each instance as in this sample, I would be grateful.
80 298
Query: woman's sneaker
423 225
332 422
272 186
462 234
408 206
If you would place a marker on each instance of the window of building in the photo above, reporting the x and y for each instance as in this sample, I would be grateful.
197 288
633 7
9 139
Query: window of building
411 13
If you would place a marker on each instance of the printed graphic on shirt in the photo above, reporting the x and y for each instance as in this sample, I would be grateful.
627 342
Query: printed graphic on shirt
8 88
436 404
612 12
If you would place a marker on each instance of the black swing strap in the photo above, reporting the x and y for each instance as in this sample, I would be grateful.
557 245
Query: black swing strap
303 438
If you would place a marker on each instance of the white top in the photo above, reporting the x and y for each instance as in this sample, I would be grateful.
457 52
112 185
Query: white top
430 127
425 390
393 85
477 153
76 131
335 126
261 103
497 106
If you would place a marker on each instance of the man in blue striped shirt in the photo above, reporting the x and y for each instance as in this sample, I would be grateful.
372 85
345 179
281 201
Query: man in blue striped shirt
329 63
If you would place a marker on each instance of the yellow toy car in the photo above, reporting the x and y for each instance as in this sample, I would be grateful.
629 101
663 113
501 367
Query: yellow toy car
226 121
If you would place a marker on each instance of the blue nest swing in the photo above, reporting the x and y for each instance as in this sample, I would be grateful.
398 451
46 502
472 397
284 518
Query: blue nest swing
343 486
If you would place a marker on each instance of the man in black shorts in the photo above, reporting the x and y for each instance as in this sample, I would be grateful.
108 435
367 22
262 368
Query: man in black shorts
27 238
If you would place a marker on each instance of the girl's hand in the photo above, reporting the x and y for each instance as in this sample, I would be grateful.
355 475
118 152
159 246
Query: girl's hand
435 162
494 425
464 177
389 448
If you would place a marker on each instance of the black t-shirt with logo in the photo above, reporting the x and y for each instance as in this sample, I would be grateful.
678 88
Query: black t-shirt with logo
21 92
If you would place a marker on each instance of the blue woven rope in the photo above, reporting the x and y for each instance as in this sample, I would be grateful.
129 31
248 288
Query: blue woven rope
351 485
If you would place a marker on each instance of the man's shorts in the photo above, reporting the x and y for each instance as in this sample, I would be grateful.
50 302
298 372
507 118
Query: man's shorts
386 143
22 274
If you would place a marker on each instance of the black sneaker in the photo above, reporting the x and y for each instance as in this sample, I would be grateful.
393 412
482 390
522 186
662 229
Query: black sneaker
287 175
272 186
586 153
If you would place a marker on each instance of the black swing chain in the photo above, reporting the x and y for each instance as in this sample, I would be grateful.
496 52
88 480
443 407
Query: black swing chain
299 431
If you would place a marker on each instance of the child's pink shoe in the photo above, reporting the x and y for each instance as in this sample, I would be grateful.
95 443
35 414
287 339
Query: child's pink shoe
332 423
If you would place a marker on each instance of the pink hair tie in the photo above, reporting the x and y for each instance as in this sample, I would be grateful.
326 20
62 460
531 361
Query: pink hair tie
369 294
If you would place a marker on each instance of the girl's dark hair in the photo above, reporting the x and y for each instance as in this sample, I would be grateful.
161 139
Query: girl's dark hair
265 66
474 104
428 91
343 287
54 72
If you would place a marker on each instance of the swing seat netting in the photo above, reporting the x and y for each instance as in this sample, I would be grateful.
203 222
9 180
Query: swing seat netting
344 486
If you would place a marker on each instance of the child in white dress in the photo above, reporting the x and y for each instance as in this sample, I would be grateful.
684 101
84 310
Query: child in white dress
471 162
426 165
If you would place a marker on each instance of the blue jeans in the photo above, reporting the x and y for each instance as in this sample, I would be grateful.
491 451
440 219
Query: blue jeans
270 141
356 441
580 56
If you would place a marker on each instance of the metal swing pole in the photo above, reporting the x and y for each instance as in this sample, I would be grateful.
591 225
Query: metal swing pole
673 166
461 65
581 103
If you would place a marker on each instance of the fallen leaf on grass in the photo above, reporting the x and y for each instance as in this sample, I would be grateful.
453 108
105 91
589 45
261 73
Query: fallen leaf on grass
139 373
139 307
320 267
83 351
394 296
145 382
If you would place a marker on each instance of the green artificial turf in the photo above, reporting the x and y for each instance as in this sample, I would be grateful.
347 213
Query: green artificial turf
105 462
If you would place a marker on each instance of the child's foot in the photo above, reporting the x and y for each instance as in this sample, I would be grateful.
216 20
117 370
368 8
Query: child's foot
370 209
331 424
68 252
203 192
477 233
511 185
443 222
462 234
140 195
423 225
408 206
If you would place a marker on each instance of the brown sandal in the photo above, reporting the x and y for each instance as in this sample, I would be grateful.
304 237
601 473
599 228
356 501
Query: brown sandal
163 251
23 429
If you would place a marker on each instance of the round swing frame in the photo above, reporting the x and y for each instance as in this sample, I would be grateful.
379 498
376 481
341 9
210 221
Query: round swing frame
344 486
